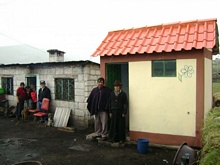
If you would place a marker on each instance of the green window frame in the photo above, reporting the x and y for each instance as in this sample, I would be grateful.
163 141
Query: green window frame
164 68
7 85
64 89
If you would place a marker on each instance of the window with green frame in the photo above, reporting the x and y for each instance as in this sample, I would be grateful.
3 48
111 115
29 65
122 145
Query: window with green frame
64 89
164 68
7 85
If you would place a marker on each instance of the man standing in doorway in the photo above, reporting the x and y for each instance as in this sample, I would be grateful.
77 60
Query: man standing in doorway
98 106
44 92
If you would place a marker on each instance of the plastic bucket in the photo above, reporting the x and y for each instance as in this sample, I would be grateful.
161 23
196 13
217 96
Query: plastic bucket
142 145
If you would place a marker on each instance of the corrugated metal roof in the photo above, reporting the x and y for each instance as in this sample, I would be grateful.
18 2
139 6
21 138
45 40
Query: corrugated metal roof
66 63
196 34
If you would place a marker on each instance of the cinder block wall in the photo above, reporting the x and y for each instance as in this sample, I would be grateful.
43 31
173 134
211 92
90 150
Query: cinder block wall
85 77
18 73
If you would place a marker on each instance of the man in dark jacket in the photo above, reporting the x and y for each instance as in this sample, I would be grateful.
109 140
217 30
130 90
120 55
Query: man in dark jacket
98 106
44 92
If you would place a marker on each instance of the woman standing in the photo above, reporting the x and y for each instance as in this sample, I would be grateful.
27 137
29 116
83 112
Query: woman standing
118 105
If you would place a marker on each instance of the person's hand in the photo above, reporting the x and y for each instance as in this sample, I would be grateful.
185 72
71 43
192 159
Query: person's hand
110 115
123 115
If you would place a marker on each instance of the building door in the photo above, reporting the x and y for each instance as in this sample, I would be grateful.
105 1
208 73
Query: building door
113 73
31 80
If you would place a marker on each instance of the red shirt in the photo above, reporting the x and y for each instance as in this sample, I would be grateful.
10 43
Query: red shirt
21 93
34 96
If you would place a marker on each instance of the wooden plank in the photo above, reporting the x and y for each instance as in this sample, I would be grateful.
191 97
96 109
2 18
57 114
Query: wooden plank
66 116
61 117
66 129
56 117
60 109
59 112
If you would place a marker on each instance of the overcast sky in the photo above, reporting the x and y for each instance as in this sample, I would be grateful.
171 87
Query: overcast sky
79 26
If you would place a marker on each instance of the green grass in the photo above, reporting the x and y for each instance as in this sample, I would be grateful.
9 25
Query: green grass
216 87
211 139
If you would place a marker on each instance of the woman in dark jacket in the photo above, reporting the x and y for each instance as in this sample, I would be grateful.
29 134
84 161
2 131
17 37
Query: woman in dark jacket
118 105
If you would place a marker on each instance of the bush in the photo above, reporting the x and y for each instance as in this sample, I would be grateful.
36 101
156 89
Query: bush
211 139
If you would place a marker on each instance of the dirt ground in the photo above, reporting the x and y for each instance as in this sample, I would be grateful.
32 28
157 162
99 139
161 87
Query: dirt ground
31 141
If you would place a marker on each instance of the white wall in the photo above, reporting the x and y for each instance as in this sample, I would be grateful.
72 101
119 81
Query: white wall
162 105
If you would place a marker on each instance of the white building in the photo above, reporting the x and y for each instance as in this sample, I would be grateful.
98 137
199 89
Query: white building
70 83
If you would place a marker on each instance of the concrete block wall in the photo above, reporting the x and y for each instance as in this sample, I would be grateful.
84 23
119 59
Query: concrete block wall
85 80
18 74
85 83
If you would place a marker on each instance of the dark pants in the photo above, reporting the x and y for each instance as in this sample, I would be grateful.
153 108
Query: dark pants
34 105
20 107
117 126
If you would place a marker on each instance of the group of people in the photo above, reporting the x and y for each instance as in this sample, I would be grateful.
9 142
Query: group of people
25 95
106 104
103 103
28 95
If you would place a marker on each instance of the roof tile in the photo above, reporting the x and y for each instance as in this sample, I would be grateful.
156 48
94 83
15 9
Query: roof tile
176 36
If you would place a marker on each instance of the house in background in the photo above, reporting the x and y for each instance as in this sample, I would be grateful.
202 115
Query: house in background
166 71
70 83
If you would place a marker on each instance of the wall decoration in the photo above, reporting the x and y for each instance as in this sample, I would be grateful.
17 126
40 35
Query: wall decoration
185 72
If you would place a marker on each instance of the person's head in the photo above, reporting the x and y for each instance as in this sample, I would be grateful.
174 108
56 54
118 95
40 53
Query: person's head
117 85
22 84
28 88
100 82
33 88
42 83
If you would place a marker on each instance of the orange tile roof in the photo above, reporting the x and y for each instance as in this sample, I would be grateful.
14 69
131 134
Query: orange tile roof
196 34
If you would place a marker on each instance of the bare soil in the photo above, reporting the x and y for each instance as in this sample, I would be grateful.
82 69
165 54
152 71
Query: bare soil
31 141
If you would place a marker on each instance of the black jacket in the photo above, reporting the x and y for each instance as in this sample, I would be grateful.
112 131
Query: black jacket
44 94
119 102
95 103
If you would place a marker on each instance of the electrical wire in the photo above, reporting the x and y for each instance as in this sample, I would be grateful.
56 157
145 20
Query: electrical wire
21 42
6 3
90 59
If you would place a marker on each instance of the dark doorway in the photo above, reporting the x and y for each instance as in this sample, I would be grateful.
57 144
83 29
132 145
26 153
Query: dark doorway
118 71
31 80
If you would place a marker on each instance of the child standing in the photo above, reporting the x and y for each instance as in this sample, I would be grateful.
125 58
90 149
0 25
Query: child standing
34 97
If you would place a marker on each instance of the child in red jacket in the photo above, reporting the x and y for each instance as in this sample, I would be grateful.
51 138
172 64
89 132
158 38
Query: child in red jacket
34 98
